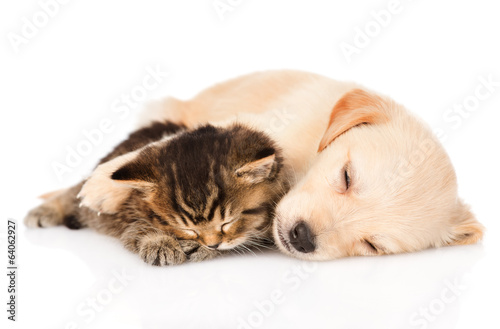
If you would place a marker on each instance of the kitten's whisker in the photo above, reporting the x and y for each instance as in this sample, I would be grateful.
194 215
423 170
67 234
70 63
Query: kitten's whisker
243 251
258 246
255 243
246 248
235 249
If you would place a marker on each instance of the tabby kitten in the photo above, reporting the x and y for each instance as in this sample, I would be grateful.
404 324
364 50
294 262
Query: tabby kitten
174 195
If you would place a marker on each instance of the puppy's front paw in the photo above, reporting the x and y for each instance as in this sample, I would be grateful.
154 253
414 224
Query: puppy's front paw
161 250
103 194
196 252
99 194
43 216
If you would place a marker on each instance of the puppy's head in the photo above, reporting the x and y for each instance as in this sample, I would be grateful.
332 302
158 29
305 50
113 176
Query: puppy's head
380 184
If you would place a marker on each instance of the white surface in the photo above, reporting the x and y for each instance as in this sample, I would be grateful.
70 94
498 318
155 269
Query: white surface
67 78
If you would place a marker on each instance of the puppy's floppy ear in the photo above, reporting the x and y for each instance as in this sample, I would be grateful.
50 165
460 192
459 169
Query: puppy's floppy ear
112 182
258 170
354 108
466 229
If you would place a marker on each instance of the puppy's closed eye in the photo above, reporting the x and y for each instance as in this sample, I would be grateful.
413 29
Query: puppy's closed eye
347 179
370 247
343 181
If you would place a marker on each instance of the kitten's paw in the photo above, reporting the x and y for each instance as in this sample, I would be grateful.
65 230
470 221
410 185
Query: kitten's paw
161 250
72 222
196 252
43 216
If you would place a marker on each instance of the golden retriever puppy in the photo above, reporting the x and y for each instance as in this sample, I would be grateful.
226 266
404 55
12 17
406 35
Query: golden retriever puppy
368 178
380 184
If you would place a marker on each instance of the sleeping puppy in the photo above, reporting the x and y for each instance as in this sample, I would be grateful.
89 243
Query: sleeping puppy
368 177
380 184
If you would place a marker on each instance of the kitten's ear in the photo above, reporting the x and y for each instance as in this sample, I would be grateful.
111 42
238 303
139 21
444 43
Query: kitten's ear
136 173
466 229
258 170
112 182
354 108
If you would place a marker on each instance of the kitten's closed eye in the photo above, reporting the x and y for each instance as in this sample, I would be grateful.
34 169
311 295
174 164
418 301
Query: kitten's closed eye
225 227
190 234
255 211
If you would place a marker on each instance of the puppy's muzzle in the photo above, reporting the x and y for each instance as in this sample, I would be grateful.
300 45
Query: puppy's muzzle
301 238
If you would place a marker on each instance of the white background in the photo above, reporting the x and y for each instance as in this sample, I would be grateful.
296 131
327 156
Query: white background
65 79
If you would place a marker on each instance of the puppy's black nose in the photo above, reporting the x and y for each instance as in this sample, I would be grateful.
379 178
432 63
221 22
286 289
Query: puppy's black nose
301 238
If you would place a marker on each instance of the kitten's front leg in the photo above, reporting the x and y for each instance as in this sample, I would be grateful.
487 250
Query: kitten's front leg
161 250
60 207
154 247
196 252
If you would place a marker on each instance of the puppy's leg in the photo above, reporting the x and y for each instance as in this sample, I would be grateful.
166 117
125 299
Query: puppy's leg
58 209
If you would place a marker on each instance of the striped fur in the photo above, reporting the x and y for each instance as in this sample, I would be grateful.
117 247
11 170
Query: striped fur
177 194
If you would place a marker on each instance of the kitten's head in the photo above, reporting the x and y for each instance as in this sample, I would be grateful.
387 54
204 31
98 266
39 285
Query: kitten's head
217 186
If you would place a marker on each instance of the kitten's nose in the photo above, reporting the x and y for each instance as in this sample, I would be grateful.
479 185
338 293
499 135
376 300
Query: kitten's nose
214 246
301 238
